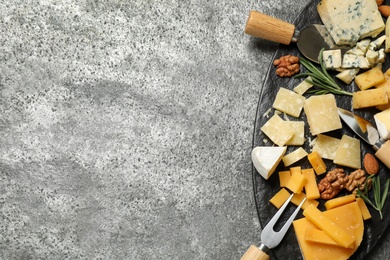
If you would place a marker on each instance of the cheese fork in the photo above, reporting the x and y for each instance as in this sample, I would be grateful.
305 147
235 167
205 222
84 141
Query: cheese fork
269 237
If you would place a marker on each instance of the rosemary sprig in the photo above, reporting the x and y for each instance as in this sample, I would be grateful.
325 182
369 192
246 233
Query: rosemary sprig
379 198
321 78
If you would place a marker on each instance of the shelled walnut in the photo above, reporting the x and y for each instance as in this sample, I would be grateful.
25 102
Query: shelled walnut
333 182
356 180
287 66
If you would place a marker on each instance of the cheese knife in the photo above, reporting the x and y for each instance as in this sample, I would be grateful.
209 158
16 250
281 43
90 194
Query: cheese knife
366 131
310 40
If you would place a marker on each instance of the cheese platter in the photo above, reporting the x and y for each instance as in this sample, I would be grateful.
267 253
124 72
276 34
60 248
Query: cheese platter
267 185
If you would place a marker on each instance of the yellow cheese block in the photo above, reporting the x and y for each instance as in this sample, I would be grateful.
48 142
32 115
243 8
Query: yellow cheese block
277 130
319 236
348 217
311 187
295 169
321 113
316 162
280 197
298 137
363 208
284 176
297 199
369 98
296 182
370 78
337 202
294 156
289 102
333 229
348 152
326 146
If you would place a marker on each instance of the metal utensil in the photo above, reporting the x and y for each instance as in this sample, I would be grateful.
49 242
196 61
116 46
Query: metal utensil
270 238
310 40
366 131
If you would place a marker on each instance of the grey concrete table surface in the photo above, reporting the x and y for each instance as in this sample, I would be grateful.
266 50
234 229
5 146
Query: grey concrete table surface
126 128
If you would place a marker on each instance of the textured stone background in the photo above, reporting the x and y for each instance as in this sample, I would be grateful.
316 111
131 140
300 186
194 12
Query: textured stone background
126 128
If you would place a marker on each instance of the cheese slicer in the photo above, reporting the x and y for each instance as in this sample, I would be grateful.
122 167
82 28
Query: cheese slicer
310 40
269 237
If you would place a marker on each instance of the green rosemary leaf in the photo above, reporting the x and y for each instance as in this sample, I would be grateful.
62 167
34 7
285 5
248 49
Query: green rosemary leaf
321 78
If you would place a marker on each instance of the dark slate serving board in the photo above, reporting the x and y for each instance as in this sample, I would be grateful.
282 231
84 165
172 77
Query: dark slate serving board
265 189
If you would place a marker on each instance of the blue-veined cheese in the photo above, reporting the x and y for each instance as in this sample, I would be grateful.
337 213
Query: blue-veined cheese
350 20
348 75
332 59
266 158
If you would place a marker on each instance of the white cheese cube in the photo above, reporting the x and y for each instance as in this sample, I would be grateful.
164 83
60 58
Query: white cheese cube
350 20
347 75
382 120
381 56
355 51
364 63
265 159
289 102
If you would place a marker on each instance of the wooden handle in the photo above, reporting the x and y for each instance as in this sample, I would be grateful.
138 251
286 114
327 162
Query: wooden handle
383 153
254 253
269 28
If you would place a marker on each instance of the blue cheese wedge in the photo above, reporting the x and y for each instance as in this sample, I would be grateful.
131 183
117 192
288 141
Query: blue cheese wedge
347 75
265 159
350 20
288 102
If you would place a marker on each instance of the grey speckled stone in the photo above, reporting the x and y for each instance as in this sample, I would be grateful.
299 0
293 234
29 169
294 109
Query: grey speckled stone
126 128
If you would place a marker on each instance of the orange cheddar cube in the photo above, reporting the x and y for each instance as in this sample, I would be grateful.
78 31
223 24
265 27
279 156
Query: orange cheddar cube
336 202
316 162
363 208
284 176
311 187
279 198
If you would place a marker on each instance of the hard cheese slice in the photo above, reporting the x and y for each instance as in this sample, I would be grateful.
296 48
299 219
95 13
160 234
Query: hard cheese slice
350 20
348 217
326 146
322 115
266 159
278 130
289 102
348 152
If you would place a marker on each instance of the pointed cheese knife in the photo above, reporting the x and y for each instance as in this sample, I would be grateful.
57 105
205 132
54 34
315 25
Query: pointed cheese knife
366 131
310 40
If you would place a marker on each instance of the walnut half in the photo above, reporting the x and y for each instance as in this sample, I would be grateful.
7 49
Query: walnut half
333 182
287 66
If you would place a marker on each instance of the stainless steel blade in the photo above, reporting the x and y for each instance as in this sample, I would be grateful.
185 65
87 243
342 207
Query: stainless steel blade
360 126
